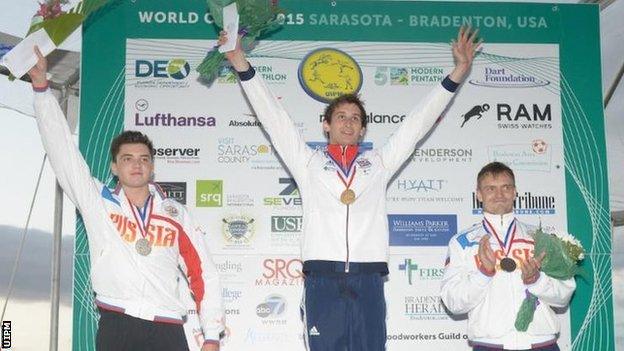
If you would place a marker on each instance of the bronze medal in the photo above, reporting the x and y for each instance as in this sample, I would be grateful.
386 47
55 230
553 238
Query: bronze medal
347 197
508 265
143 247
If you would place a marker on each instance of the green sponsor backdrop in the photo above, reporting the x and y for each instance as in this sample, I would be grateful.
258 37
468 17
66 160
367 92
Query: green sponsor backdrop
575 28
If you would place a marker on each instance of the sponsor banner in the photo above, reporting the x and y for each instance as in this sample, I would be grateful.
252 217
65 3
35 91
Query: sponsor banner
533 156
421 230
407 76
443 155
423 190
238 231
177 155
513 116
212 153
494 76
209 193
287 198
526 203
174 190
286 231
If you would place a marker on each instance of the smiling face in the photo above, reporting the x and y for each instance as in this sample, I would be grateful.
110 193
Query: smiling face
497 192
345 125
133 165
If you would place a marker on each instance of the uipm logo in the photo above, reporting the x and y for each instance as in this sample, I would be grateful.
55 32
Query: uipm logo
6 334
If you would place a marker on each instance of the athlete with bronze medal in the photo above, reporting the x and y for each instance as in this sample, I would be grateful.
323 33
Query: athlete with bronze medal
497 192
490 286
506 263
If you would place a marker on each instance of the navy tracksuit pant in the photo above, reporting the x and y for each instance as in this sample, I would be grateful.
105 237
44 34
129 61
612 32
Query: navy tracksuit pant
344 311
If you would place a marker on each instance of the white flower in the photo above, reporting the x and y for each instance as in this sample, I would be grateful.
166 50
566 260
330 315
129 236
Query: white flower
569 238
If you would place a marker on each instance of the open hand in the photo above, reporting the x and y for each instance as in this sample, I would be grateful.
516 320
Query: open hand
486 254
237 56
464 48
531 268
38 72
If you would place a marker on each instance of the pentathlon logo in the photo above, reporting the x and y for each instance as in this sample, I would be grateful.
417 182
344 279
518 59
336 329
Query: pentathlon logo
327 73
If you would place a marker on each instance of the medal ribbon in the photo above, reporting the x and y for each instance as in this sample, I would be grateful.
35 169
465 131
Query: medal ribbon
489 228
347 185
348 154
142 225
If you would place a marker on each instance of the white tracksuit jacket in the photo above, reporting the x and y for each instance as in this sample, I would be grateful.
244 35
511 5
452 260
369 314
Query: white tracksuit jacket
332 230
145 287
493 302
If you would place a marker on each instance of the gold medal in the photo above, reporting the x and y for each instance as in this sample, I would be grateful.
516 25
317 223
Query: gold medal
143 247
347 197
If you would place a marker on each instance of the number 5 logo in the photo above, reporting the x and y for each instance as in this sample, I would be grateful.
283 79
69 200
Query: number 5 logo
381 75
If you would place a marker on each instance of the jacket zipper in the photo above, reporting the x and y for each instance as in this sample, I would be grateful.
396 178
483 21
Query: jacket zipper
347 240
344 162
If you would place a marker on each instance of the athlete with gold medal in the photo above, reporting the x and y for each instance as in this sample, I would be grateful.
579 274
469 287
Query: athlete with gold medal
343 190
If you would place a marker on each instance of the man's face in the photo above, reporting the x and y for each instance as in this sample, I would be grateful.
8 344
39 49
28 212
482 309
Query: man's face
497 192
133 165
346 125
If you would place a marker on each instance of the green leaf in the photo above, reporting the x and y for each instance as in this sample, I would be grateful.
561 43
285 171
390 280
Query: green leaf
216 10
87 7
61 27
526 313
209 68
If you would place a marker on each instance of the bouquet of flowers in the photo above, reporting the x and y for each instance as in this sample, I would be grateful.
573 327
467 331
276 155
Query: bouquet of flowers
563 253
57 23
60 24
256 17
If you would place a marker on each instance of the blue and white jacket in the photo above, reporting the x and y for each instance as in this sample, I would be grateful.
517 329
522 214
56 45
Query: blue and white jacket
493 302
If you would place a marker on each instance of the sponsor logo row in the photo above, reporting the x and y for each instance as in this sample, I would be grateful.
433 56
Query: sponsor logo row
534 156
327 72
210 193
511 116
239 230
282 274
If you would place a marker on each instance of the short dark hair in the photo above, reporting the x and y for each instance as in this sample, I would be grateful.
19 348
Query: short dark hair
495 168
345 99
130 137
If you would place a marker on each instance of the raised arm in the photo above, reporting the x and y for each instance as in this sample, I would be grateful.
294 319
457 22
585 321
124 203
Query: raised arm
284 135
420 120
70 168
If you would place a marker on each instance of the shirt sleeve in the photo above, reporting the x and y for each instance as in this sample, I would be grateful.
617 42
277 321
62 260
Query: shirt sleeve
69 166
416 125
554 292
203 278
463 286
284 135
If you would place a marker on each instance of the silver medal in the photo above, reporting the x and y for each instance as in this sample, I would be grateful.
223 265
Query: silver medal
143 247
